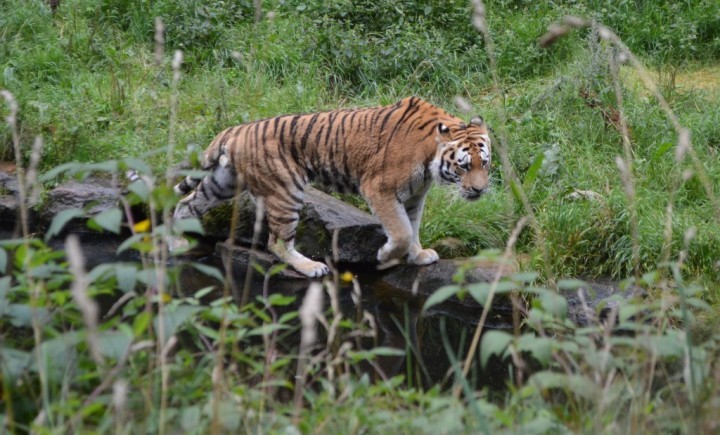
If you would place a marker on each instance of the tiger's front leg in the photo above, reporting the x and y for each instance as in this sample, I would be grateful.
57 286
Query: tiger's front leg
396 224
416 254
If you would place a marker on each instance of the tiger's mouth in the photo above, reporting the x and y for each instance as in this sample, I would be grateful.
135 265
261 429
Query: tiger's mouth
472 195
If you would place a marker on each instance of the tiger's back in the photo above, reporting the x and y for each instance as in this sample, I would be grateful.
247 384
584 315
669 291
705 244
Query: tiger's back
388 154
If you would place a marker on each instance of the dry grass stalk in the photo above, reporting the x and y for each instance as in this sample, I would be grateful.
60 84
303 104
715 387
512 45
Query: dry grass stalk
88 307
627 177
31 179
310 312
500 141
626 55
159 41
11 120
509 249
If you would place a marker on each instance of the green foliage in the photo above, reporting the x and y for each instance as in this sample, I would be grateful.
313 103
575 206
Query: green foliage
86 80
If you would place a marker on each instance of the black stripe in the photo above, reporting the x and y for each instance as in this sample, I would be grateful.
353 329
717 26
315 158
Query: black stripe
283 219
293 129
308 130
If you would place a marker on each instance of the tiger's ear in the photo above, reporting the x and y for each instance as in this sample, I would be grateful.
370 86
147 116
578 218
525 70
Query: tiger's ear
477 120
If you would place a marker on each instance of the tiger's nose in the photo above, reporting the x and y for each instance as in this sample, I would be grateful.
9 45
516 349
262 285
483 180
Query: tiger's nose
479 191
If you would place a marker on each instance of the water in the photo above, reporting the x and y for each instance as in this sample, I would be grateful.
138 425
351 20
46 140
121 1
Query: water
427 337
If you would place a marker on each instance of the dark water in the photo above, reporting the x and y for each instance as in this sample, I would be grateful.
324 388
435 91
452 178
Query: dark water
431 340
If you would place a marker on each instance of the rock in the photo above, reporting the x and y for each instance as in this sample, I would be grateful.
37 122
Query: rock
240 257
359 234
10 202
433 276
584 302
8 184
95 195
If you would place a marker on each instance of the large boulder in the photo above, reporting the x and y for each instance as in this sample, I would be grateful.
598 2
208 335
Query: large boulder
359 233
95 195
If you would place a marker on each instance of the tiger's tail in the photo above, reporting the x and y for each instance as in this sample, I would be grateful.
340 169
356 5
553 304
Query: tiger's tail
205 191
211 159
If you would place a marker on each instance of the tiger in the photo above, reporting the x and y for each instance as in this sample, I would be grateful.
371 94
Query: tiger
390 155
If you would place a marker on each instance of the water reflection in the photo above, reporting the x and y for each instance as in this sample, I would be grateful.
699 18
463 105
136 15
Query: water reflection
399 320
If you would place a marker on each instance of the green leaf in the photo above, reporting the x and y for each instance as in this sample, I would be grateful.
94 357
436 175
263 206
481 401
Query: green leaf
533 172
571 284
539 348
61 219
57 170
13 362
278 300
267 329
524 277
4 291
203 291
554 304
576 384
140 323
137 164
479 292
115 344
441 295
136 241
494 342
665 345
139 188
662 149
108 220
3 261
57 354
21 315
366 355
126 277
288 317
190 225
277 268
107 166
210 271
173 318
190 418
516 190
101 271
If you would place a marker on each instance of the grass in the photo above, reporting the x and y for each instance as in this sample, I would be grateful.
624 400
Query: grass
87 80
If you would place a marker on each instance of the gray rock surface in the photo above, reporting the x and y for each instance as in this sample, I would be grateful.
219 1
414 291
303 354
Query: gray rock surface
359 234
595 299
241 257
94 194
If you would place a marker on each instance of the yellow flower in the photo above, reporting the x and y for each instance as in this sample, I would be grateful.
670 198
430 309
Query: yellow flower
346 277
165 298
142 226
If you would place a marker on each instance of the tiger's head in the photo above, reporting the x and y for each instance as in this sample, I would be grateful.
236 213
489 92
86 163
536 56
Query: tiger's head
463 156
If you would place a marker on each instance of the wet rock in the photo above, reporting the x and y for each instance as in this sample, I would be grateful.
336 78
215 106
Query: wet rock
359 234
240 258
420 282
9 201
95 195
433 276
8 184
594 300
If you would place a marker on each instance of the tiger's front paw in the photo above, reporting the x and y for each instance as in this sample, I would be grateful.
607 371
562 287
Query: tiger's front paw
425 256
312 269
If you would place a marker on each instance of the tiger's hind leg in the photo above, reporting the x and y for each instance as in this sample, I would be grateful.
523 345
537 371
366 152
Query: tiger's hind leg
219 186
282 212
